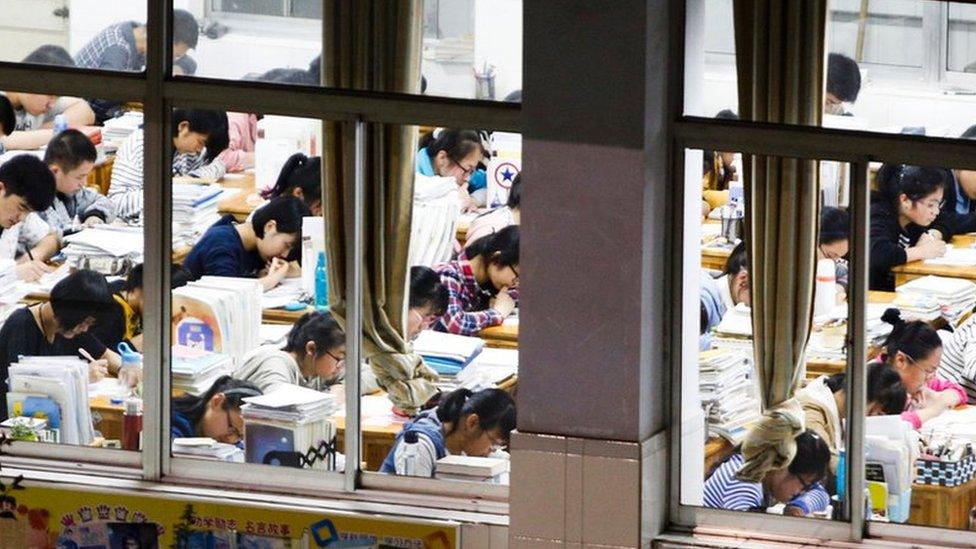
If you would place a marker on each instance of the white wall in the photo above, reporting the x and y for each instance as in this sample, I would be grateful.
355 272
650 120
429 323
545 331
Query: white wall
89 17
498 41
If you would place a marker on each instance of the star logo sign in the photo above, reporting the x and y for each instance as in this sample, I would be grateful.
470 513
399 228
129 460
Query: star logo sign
505 174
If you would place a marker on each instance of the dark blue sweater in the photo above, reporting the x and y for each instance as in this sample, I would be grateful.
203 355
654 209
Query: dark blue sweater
221 253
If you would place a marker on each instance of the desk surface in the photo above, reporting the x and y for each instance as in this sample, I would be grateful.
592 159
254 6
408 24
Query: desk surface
243 203
918 269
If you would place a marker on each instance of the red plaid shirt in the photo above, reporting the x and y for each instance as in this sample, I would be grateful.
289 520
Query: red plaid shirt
468 305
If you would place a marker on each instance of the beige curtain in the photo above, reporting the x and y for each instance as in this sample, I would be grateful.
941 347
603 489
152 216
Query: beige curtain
375 45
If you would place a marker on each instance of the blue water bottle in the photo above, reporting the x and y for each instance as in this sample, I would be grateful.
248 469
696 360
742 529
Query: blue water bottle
321 284
60 123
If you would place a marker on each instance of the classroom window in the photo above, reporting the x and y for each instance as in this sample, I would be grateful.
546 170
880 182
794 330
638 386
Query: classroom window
282 8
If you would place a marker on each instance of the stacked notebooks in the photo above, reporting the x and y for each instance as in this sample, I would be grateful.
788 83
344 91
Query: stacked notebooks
929 297
107 249
289 423
54 388
473 469
194 211
218 314
447 354
728 393
194 370
207 448
118 129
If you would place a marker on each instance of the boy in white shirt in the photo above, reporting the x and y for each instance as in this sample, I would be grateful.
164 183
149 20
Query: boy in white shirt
26 186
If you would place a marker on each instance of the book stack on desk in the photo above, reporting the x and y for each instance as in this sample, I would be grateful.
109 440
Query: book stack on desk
218 314
107 249
728 392
492 367
287 423
473 469
446 353
118 129
194 211
194 370
929 297
54 388
207 448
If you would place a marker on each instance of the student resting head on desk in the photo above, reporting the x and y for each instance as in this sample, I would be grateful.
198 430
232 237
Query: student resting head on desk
244 250
725 490
428 300
500 217
59 327
473 424
908 203
301 177
215 414
456 154
26 187
314 356
193 130
834 244
71 157
733 285
914 349
122 321
481 283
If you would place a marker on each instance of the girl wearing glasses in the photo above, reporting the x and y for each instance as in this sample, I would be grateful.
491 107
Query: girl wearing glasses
908 203
215 414
467 423
453 154
314 356
914 349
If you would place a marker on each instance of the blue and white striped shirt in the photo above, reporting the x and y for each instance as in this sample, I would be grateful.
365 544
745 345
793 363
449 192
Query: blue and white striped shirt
724 491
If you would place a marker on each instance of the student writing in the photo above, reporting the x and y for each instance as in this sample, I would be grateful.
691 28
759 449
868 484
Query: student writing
215 414
26 186
473 424
71 157
428 300
481 283
500 217
455 155
255 249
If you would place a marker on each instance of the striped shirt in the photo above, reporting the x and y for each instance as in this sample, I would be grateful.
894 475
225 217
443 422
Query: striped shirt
125 191
724 491
959 357
114 48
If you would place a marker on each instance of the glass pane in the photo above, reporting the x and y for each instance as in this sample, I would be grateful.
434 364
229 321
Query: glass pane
253 7
962 30
70 288
466 208
306 8
720 384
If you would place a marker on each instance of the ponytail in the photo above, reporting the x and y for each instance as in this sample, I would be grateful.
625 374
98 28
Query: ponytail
494 407
317 327
915 339
299 172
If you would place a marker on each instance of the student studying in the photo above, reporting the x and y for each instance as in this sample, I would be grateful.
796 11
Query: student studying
428 300
843 84
960 196
215 414
255 249
192 130
481 283
301 177
473 424
454 155
71 156
958 362
733 285
26 186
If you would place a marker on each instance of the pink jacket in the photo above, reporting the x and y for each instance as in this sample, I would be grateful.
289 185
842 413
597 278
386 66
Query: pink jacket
937 385
242 129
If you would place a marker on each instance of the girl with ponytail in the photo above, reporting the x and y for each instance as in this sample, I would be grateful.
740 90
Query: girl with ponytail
464 422
301 177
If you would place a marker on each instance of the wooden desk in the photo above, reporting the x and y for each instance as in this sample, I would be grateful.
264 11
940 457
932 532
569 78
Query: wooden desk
504 336
918 269
817 368
101 176
942 506
281 316
243 203
714 258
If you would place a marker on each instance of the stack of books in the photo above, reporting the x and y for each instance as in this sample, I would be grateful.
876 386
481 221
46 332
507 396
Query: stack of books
473 469
194 370
728 393
490 368
447 354
117 129
218 314
194 211
289 424
54 388
929 297
207 448
107 249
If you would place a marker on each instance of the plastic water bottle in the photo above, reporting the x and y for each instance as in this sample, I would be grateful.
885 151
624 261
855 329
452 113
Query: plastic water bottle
825 294
736 197
321 284
409 455
131 371
60 123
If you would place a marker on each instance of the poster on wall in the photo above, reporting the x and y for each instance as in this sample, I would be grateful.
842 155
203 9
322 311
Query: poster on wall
41 517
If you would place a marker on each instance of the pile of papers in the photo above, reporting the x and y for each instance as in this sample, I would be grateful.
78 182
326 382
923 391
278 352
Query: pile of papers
218 314
936 295
473 469
728 393
489 369
107 249
288 422
117 129
207 448
955 257
194 370
290 290
447 354
54 388
194 211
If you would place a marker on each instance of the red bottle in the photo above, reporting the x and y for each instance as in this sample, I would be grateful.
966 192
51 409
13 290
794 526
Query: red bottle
132 424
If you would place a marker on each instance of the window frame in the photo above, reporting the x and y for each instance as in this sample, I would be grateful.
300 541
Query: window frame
159 91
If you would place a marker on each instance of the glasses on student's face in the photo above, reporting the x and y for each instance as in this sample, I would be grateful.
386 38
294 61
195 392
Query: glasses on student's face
494 443
515 280
467 172
807 486
233 432
340 362
932 204
929 372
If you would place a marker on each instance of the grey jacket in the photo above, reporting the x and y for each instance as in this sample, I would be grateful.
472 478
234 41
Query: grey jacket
86 203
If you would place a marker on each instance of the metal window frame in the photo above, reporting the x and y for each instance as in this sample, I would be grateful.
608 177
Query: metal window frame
159 91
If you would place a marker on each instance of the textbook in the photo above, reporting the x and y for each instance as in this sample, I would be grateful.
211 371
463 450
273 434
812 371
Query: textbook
218 314
490 368
207 448
194 211
287 424
472 467
728 391
932 296
63 381
447 353
194 370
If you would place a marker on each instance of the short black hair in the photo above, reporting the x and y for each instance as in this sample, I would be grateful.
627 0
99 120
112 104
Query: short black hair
515 193
505 243
315 70
185 28
201 121
8 119
495 409
970 133
726 114
287 213
513 97
835 225
458 144
69 149
812 456
884 387
843 77
81 295
50 55
178 277
28 176
426 289
738 260
234 390
318 327
915 182
288 76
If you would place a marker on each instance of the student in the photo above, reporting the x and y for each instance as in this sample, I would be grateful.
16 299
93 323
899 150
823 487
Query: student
59 327
215 414
26 186
908 202
914 350
473 424
843 84
720 168
122 47
301 176
245 249
314 356
958 362
809 466
834 244
500 217
453 154
733 285
428 300
71 156
122 321
480 283
242 129
35 112
191 131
